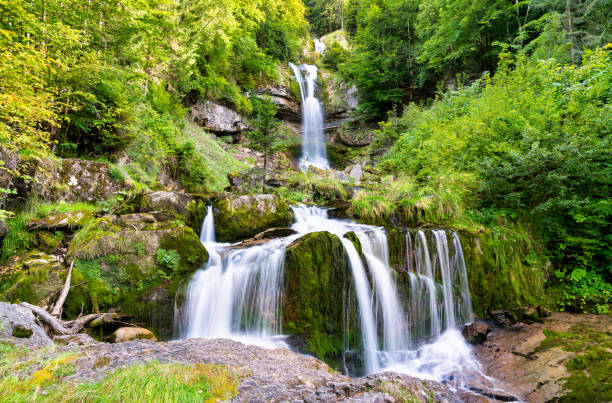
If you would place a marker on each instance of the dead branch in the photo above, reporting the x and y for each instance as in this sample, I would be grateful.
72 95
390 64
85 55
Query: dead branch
57 309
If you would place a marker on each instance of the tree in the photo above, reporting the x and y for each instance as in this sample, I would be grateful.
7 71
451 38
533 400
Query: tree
268 130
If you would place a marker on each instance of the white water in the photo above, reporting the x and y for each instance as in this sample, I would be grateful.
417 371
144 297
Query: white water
314 149
319 46
414 330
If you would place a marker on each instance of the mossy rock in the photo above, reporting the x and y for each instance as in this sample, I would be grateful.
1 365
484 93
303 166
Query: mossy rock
317 278
48 242
34 277
242 217
68 221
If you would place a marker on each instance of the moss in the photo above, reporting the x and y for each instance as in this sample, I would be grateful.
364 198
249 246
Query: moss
316 279
243 217
34 277
590 370
191 251
48 241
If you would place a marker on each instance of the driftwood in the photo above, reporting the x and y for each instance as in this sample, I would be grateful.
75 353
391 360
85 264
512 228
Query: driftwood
59 326
57 309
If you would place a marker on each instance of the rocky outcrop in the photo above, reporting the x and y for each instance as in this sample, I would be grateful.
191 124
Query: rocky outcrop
476 333
81 180
19 325
219 119
564 358
289 107
242 217
61 221
316 273
35 277
125 334
175 202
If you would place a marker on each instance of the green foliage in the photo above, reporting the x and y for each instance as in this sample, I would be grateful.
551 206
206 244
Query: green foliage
267 136
168 258
536 142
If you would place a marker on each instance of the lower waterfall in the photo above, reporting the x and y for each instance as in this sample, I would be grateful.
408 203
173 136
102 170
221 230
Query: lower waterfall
414 330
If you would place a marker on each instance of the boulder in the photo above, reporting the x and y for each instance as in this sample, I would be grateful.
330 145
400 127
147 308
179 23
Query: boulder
356 172
61 221
527 314
273 233
476 333
124 334
503 318
355 138
175 202
218 118
241 217
316 276
35 277
19 325
82 180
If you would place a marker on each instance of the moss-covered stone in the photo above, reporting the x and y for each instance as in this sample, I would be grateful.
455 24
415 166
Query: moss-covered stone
34 277
67 221
317 281
48 242
118 266
242 217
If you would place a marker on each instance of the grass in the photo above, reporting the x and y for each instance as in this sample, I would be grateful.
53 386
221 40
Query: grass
28 377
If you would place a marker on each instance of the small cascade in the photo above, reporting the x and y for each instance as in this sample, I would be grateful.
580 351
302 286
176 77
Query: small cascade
314 149
319 46
408 321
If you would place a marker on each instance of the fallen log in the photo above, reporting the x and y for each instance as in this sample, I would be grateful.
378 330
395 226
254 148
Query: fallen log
57 309
59 326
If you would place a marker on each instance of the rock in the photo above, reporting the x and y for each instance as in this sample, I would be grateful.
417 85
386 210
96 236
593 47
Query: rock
35 278
289 108
175 202
79 339
356 172
273 233
241 217
476 333
355 138
503 318
543 312
4 229
218 119
69 221
86 180
526 314
316 275
16 320
341 176
124 334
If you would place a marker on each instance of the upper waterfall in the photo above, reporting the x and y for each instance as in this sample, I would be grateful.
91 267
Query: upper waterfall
314 149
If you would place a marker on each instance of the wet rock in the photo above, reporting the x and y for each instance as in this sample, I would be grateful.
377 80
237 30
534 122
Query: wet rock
124 334
61 221
273 233
218 119
356 172
503 318
476 333
241 217
175 202
79 339
544 312
526 314
16 322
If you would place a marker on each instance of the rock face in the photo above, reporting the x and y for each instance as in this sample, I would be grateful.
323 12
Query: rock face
86 180
241 217
288 105
17 322
476 333
124 334
176 202
316 273
61 222
219 119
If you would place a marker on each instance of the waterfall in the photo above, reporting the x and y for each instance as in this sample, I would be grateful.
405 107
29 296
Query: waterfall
314 149
319 46
410 326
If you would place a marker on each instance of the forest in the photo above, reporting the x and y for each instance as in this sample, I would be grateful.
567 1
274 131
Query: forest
490 120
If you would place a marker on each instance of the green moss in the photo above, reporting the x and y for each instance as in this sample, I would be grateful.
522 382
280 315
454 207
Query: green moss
33 278
316 279
590 371
48 241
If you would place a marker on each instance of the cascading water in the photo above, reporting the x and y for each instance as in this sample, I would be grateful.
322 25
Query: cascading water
319 46
409 326
314 149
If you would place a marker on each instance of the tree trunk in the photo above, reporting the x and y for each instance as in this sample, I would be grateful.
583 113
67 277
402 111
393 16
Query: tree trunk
57 309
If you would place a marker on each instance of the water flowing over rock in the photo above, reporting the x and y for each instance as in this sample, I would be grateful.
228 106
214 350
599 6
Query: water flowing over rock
314 152
329 290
